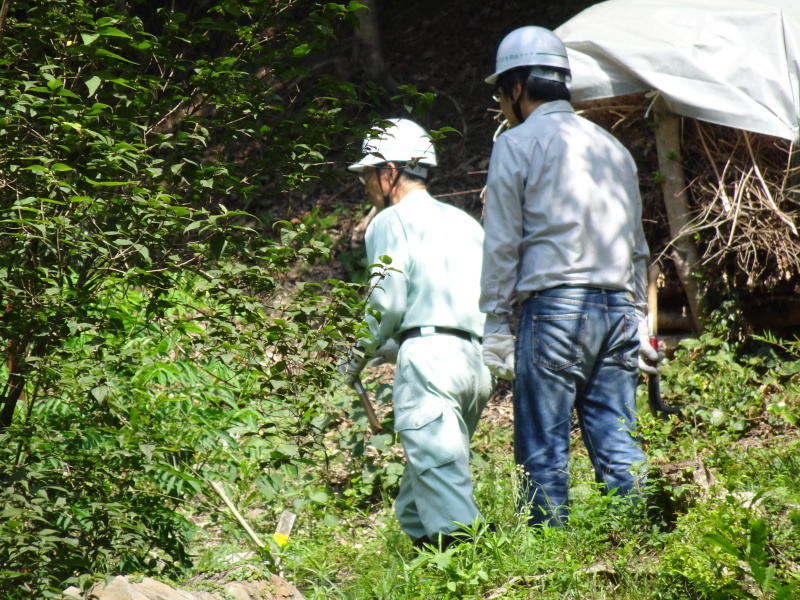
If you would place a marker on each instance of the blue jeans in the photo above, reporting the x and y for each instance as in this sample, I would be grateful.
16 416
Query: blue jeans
576 347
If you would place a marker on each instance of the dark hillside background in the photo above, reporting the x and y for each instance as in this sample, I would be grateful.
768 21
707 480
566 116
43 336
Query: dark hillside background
447 48
442 47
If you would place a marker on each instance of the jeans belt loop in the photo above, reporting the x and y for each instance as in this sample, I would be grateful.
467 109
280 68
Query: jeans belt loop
427 330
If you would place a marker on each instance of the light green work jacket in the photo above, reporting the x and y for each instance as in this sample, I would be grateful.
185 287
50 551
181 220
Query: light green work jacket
436 252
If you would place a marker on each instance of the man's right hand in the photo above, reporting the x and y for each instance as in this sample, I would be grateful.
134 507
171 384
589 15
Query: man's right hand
352 367
498 354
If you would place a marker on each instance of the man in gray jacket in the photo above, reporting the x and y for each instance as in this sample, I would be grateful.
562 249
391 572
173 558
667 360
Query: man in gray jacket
564 238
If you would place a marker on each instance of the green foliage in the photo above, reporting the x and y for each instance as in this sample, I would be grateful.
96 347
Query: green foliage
724 391
413 100
723 551
457 570
163 411
748 559
737 538
151 343
375 464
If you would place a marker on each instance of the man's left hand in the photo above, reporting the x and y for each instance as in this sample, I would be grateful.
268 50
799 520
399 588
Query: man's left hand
388 352
649 357
498 354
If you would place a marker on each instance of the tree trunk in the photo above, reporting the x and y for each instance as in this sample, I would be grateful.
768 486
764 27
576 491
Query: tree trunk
684 252
368 37
15 384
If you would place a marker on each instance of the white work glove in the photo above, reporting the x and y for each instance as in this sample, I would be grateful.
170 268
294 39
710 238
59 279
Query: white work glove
649 357
387 353
352 366
498 354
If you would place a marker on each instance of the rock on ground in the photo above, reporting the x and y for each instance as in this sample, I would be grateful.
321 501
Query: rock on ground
127 588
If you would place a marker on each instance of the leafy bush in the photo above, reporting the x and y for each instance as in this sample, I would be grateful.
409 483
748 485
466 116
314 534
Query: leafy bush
151 344
724 392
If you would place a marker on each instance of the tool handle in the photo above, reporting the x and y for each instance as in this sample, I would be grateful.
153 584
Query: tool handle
374 424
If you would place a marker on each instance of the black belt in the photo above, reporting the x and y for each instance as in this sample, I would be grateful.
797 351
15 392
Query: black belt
415 332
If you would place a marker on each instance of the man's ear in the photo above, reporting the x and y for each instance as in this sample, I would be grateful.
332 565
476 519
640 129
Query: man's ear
390 171
516 93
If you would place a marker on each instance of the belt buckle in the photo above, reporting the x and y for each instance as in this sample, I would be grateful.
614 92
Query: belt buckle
427 330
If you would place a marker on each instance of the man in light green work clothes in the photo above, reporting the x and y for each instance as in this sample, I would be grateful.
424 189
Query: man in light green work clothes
429 306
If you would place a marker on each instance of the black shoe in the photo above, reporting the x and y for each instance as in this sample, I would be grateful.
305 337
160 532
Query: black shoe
419 543
444 540
441 541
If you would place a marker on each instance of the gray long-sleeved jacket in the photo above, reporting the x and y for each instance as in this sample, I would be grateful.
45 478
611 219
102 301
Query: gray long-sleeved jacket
562 208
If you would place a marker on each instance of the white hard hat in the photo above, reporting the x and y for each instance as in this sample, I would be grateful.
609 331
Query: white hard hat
530 47
398 140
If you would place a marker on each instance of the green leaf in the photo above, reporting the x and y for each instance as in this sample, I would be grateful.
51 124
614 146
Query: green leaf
92 84
381 442
68 94
100 392
89 38
443 559
301 50
147 450
723 543
112 32
143 251
108 183
108 54
319 496
76 126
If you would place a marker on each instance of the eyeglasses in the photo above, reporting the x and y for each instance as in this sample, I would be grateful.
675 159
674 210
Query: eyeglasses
496 95
363 179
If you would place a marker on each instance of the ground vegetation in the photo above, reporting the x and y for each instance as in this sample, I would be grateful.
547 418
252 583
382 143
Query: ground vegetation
177 239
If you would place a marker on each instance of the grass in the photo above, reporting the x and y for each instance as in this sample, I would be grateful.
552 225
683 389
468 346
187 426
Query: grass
735 534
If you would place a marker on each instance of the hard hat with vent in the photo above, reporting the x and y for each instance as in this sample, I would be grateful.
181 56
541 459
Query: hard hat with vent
532 46
398 140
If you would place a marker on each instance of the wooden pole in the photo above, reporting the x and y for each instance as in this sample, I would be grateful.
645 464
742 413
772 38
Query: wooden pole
684 253
217 487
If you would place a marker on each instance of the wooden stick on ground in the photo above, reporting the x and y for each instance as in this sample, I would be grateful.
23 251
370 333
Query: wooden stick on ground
281 536
217 487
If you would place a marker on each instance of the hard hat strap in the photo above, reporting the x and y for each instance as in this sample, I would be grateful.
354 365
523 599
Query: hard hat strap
419 170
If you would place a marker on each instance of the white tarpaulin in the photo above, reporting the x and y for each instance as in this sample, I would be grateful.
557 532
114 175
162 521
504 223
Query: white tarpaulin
730 62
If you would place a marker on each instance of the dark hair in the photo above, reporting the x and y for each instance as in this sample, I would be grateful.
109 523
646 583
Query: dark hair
539 90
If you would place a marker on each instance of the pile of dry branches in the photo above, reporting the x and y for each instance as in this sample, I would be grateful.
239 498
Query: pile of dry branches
744 189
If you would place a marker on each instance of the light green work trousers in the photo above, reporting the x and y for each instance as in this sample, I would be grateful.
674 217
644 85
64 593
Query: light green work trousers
441 387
